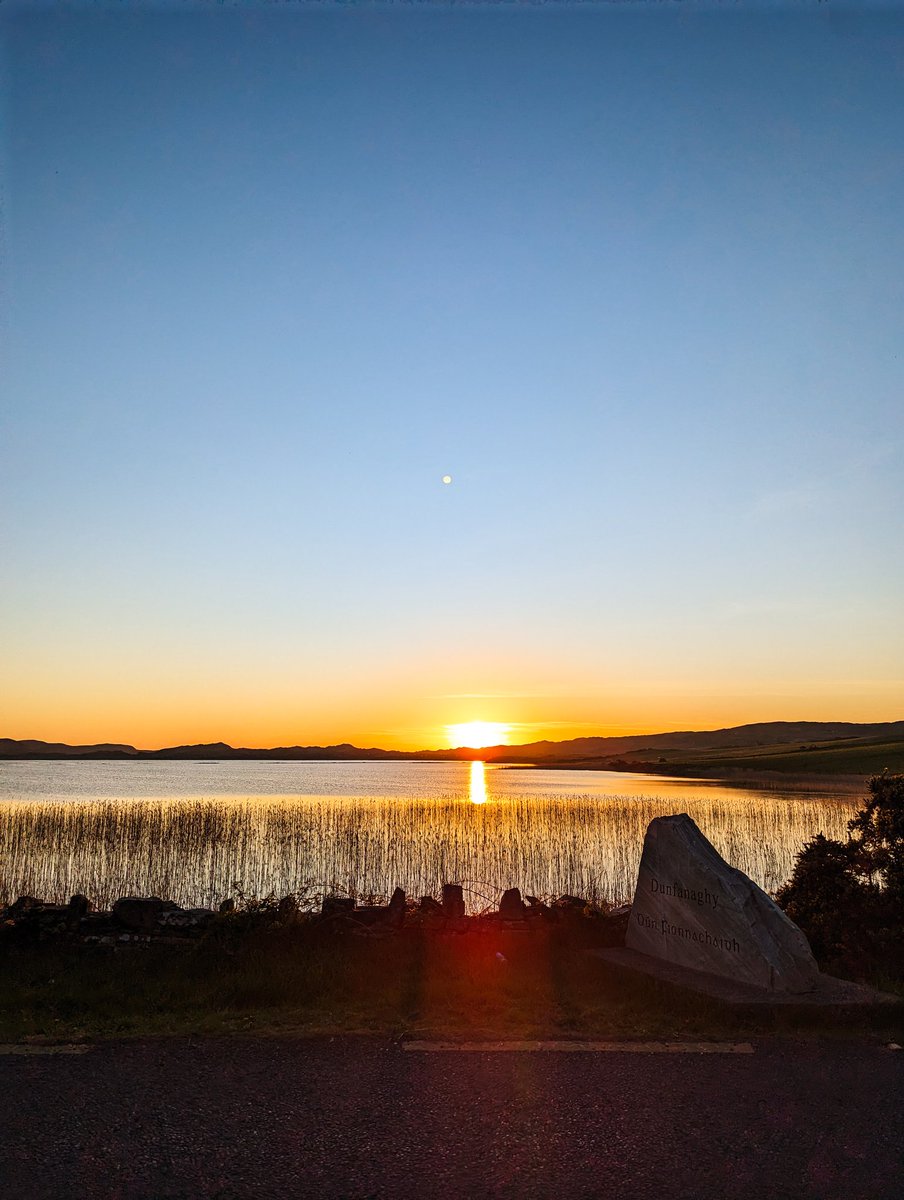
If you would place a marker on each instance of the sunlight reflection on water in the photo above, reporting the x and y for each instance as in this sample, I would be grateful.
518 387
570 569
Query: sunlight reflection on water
478 783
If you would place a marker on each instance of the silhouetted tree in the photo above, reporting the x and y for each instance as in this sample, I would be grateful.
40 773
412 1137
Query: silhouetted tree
848 897
877 834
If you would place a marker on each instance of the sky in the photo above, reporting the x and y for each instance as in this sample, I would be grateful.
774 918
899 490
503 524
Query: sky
631 275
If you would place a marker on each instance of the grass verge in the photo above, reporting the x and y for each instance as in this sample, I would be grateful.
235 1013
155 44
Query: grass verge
294 981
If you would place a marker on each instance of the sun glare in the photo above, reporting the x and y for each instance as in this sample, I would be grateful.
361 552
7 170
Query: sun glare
476 734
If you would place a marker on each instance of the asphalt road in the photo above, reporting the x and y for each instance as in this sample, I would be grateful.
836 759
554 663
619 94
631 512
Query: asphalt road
236 1119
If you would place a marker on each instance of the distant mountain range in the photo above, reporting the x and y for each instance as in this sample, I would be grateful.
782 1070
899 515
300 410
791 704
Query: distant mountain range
808 746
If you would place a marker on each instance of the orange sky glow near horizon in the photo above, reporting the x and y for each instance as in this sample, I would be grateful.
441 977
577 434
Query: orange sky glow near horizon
148 720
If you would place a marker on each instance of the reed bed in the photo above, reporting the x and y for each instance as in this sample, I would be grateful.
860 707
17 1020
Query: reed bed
198 851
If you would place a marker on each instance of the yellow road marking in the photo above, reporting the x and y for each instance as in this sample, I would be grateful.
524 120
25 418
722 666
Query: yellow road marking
588 1047
19 1048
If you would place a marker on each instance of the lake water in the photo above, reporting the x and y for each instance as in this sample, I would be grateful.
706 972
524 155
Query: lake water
197 832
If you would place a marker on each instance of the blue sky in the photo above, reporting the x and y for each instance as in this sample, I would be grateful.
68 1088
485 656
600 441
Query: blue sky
631 275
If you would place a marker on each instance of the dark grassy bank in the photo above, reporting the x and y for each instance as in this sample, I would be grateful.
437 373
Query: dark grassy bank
298 980
854 759
828 758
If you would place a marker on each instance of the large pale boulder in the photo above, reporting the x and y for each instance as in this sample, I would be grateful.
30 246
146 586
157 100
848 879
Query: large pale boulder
692 909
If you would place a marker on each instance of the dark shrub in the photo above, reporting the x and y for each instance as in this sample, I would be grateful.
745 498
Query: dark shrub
848 897
826 899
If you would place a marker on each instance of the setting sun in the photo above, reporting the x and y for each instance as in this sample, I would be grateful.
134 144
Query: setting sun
476 734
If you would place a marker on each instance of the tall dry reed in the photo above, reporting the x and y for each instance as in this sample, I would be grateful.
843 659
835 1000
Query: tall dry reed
197 851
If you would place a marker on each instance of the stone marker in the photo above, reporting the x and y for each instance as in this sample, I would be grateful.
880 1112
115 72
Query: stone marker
186 918
511 906
77 908
397 908
453 900
141 913
694 910
337 906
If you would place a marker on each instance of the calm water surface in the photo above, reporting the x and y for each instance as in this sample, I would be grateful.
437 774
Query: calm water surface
199 831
